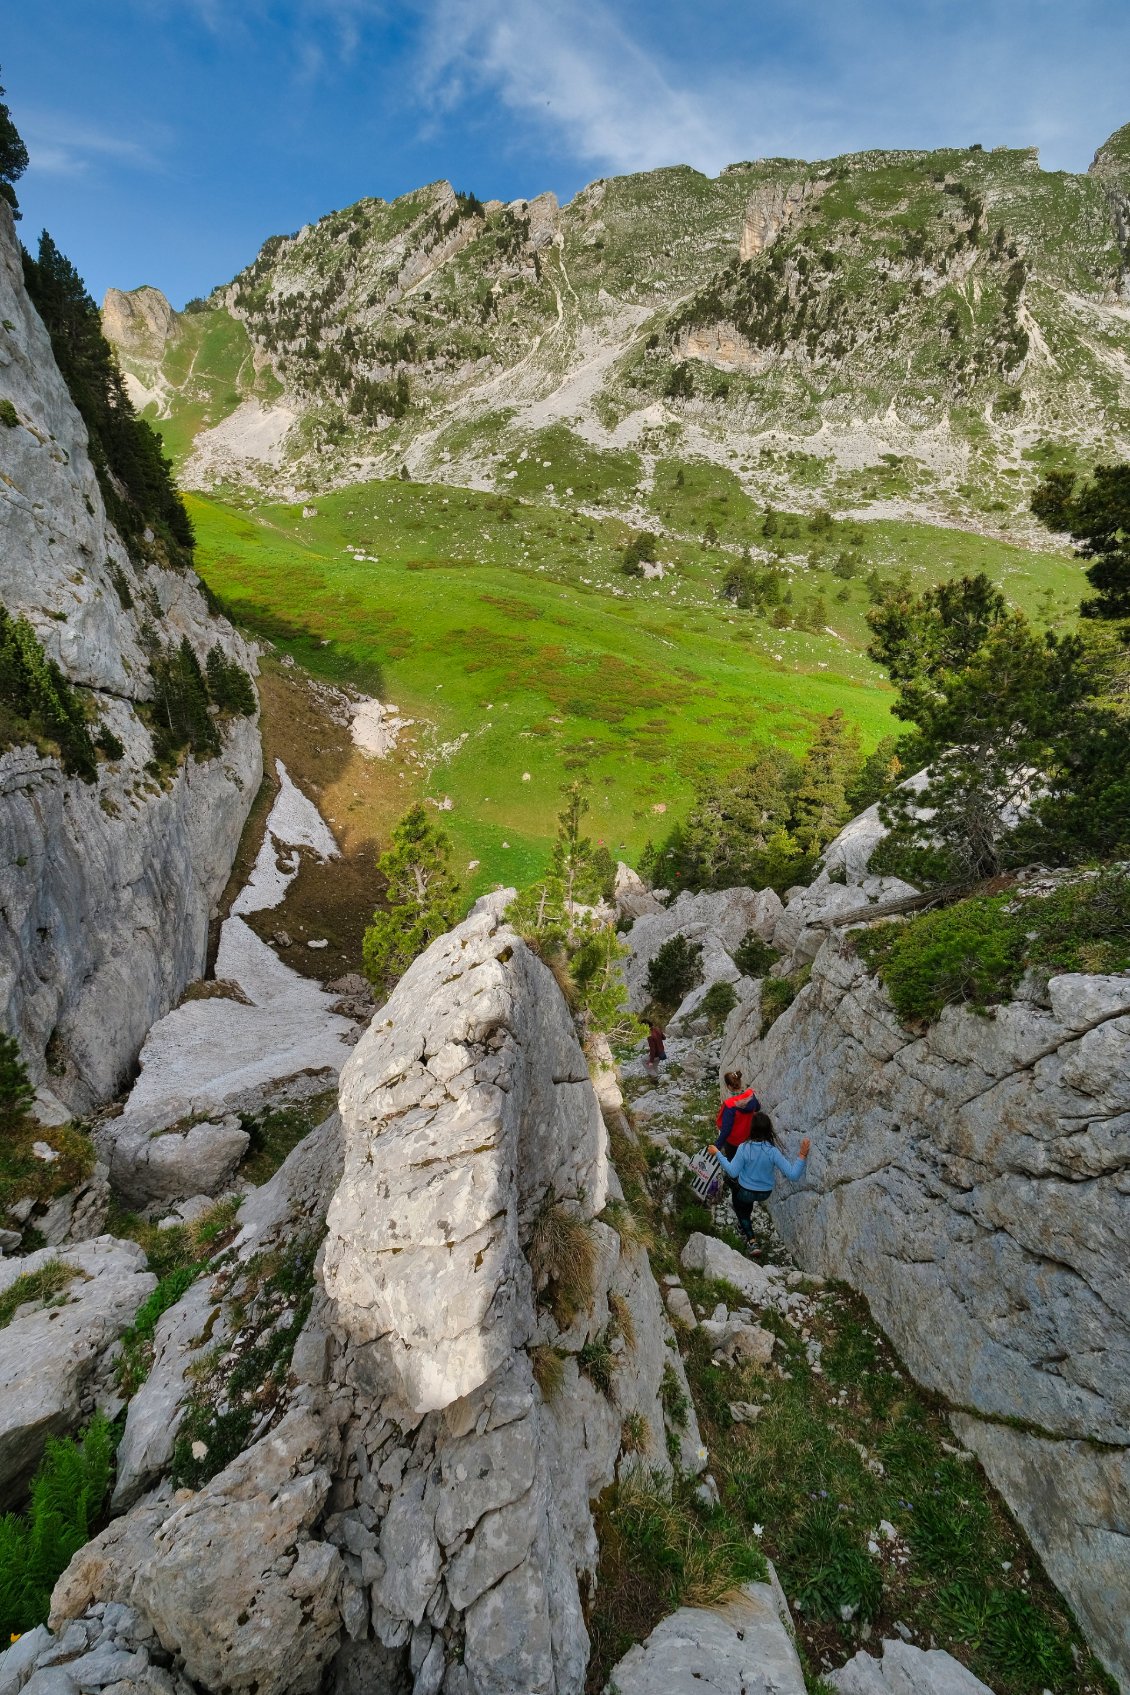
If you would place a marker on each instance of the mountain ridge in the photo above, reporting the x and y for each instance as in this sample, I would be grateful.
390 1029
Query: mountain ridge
963 311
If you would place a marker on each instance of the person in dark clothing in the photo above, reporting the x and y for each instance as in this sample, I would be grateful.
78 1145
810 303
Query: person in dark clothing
655 1048
754 1169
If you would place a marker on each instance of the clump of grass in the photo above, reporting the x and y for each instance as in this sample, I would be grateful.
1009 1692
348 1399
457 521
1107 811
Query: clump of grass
632 1231
67 1494
277 1131
562 1257
777 994
181 1245
598 1362
660 1552
621 1318
635 1434
548 1365
43 1286
23 1176
136 1355
718 1003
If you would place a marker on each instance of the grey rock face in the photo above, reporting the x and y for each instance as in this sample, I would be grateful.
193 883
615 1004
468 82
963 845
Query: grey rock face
720 921
466 1106
906 1670
971 1182
50 1356
236 1584
106 887
740 1647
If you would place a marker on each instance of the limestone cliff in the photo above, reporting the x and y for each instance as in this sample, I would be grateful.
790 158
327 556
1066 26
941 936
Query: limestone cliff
971 1181
106 888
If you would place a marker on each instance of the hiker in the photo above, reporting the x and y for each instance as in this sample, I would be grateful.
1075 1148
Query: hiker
655 1048
754 1169
735 1115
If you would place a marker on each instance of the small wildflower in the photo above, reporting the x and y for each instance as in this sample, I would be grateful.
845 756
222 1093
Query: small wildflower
759 1530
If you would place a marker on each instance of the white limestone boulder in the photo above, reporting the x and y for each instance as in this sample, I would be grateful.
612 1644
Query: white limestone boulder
466 1107
741 1646
904 1669
236 1581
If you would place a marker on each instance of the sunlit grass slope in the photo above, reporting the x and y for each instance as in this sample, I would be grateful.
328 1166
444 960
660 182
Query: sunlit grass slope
511 634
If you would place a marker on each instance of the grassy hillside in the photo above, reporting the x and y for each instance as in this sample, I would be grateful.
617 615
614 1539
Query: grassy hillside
508 629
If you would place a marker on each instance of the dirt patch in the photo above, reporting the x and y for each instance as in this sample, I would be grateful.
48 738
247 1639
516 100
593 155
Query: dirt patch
359 797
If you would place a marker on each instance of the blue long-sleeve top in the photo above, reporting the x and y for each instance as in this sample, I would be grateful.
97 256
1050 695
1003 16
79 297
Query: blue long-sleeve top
755 1165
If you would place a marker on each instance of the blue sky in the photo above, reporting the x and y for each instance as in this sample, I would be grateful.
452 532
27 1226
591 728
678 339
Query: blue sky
170 137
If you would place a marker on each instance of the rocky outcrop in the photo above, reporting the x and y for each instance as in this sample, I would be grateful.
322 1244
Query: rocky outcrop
417 1515
54 1354
718 920
970 1180
472 1133
771 209
742 1646
138 321
106 888
904 1669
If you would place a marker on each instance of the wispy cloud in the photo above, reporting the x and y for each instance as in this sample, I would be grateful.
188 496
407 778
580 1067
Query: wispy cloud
578 70
629 91
57 146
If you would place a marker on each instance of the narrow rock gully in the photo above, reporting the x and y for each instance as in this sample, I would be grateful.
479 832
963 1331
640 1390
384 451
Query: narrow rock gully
840 1538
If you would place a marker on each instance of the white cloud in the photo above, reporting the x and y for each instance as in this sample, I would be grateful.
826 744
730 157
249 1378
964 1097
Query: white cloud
59 147
578 70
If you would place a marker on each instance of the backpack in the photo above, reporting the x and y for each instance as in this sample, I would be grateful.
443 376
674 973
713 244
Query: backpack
706 1177
746 1104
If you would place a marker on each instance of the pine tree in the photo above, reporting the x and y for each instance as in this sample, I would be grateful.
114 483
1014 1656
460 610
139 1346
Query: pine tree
828 770
421 898
13 157
1097 518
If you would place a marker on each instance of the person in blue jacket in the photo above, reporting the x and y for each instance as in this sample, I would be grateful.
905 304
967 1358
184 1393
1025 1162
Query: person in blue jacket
754 1169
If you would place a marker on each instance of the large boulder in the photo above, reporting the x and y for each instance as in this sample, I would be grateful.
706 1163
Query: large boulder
53 1352
236 1583
171 1165
467 1106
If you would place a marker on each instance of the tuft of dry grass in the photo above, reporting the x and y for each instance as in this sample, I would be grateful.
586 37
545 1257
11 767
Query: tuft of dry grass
635 1434
622 1319
562 1255
549 1369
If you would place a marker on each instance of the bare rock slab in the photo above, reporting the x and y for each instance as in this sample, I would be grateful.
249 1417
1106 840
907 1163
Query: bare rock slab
906 1670
50 1353
739 1647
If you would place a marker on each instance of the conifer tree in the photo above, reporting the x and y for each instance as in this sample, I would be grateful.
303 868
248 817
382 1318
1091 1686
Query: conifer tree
421 896
13 157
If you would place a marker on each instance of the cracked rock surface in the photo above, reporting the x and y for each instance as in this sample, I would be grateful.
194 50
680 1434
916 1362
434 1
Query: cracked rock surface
973 1182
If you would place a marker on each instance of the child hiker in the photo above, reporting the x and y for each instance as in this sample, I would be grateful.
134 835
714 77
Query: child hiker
754 1169
655 1048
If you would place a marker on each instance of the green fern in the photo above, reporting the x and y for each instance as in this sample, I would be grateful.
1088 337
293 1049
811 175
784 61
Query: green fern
67 1494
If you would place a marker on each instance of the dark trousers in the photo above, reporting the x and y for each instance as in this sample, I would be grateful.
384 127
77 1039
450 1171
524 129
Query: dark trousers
743 1200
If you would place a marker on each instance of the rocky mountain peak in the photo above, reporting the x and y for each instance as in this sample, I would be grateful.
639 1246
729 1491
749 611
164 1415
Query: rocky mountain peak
140 321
